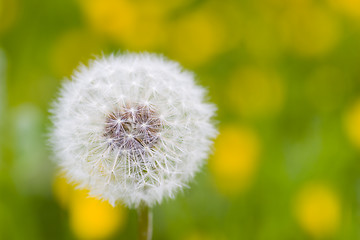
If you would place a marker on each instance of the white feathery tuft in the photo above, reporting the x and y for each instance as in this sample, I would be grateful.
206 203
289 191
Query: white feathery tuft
132 128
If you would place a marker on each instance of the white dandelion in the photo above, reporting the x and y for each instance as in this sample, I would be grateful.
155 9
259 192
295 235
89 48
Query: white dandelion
132 128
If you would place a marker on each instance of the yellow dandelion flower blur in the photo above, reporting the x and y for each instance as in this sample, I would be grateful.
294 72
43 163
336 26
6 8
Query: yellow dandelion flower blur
135 25
352 123
349 7
71 48
256 93
326 88
236 158
90 218
309 31
114 18
259 35
149 30
197 38
317 209
62 191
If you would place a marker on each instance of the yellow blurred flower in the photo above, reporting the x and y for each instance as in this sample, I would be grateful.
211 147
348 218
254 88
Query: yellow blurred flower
71 48
350 7
308 30
138 25
90 218
326 88
114 18
260 41
352 123
149 30
318 211
94 219
236 158
197 38
9 11
256 93
62 191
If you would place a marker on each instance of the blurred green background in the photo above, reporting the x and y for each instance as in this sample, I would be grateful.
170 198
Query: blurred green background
285 76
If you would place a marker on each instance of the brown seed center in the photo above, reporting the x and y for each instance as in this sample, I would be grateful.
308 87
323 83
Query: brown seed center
133 128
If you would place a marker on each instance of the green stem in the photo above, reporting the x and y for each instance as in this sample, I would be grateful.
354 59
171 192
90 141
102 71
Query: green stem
145 222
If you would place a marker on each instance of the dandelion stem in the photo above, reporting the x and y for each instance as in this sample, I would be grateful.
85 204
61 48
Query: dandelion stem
145 222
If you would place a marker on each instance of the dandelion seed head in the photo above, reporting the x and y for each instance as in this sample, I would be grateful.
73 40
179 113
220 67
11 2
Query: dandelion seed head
132 128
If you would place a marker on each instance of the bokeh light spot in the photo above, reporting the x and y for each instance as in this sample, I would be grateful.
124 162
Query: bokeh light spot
309 31
70 49
197 38
318 210
114 18
135 25
352 123
326 88
349 7
255 93
149 30
62 191
235 160
91 218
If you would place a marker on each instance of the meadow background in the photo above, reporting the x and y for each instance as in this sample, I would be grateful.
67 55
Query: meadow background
285 76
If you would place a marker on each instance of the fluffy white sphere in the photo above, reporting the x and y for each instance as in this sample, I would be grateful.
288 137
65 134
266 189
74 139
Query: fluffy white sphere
132 128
